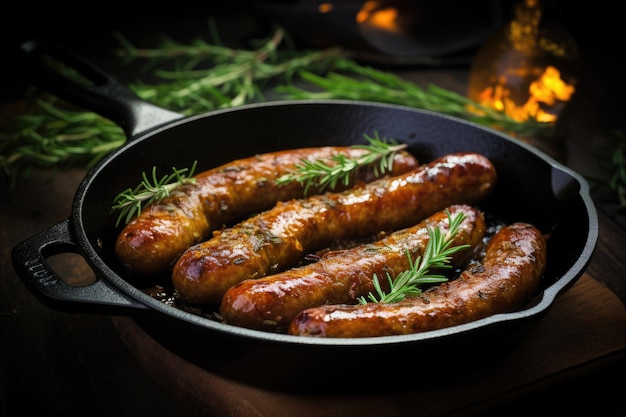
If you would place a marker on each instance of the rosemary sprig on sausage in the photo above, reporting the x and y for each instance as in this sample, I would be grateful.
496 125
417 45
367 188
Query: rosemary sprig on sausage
152 241
131 201
341 168
437 255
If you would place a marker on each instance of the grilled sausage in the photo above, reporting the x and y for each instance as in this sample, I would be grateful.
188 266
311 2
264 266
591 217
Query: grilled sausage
270 303
509 274
150 243
276 239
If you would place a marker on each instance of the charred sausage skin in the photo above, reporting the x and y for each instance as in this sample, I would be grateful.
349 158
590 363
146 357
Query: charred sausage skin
270 303
276 239
150 243
509 274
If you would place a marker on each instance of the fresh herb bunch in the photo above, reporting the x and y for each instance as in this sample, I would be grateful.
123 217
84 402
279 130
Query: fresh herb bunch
437 255
352 81
326 174
56 137
208 75
131 201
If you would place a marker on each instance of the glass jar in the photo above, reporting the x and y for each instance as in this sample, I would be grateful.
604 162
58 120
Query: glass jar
528 69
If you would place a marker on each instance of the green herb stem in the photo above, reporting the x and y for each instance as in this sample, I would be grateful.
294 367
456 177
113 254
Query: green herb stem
56 138
352 81
130 202
209 76
200 76
327 174
437 255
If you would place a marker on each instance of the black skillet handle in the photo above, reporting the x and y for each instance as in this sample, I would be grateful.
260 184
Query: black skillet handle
29 260
95 91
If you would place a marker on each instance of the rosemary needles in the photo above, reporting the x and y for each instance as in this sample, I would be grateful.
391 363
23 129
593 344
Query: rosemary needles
131 201
326 174
200 76
437 255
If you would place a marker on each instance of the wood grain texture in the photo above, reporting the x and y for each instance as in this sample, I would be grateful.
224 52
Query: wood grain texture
568 337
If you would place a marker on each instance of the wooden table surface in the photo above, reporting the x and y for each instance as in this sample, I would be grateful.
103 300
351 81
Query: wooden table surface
73 364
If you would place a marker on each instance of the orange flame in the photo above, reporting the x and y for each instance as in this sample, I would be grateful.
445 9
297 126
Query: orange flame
378 15
547 92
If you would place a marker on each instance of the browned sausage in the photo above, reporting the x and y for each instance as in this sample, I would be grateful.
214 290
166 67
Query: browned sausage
270 303
511 271
150 243
278 238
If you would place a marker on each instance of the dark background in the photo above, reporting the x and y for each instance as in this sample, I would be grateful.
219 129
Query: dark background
88 27
593 24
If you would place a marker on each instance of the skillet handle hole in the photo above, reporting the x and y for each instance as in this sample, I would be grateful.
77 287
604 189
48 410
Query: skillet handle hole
72 269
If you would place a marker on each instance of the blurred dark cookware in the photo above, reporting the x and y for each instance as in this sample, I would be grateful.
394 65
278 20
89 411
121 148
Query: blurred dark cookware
532 187
425 32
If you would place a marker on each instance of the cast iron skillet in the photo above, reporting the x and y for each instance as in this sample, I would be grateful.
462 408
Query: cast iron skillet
532 187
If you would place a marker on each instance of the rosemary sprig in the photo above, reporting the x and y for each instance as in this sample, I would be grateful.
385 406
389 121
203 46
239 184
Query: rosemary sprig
56 137
437 255
325 175
352 81
210 75
205 75
130 202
